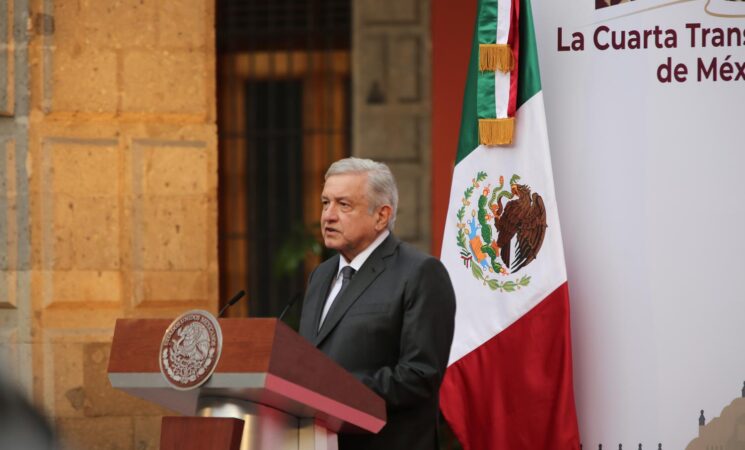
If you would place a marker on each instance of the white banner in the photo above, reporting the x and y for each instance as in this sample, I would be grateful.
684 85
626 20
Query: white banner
645 105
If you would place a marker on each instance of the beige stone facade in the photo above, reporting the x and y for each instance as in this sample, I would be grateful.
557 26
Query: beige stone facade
391 72
108 207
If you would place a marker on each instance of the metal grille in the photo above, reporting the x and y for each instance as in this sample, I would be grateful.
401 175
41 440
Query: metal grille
283 117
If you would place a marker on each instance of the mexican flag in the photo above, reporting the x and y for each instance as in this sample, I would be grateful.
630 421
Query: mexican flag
509 379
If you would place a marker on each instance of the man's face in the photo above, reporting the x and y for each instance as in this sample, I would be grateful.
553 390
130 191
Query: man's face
347 225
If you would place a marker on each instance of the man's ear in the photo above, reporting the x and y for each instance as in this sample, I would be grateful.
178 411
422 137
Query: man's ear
382 217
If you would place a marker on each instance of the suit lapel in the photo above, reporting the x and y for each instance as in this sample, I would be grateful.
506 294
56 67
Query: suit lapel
370 270
318 291
326 283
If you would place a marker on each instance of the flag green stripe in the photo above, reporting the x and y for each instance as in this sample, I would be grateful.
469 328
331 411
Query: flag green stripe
529 82
487 34
487 21
468 139
529 78
486 100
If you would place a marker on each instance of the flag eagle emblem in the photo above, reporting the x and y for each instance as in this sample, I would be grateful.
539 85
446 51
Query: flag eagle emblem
486 235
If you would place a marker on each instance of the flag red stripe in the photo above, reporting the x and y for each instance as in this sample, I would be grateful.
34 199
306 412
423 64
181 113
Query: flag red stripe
514 41
515 391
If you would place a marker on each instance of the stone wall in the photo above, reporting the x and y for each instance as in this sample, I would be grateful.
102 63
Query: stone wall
391 72
108 179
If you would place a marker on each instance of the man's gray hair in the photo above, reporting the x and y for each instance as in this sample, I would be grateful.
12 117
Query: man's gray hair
381 186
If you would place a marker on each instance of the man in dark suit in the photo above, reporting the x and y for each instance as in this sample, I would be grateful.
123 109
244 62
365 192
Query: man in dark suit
380 308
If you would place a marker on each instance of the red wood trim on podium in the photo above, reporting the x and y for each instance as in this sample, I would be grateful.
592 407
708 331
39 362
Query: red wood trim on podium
200 433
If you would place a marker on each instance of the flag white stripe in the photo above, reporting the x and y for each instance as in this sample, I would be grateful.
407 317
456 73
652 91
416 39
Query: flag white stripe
501 93
504 8
502 80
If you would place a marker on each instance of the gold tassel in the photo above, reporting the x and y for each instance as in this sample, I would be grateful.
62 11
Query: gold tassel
494 57
496 131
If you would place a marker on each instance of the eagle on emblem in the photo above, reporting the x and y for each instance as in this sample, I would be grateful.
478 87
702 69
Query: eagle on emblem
193 342
523 216
485 239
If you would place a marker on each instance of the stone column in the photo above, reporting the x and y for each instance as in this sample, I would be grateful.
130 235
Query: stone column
391 112
15 237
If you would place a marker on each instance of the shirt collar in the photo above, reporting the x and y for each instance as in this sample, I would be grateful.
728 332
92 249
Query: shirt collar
360 259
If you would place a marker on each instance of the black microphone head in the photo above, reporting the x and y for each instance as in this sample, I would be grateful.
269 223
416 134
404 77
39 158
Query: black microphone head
292 301
231 302
237 297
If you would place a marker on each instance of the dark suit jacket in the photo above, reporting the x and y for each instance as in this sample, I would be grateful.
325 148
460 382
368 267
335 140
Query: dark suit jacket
392 328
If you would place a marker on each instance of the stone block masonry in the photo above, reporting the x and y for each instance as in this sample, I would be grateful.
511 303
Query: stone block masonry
108 195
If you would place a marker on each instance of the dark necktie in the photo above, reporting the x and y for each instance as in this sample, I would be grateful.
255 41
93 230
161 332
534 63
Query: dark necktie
347 272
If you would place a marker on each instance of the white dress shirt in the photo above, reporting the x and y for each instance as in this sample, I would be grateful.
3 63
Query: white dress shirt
356 264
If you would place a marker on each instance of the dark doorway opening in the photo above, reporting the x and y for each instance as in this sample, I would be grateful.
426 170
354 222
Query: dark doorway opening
274 168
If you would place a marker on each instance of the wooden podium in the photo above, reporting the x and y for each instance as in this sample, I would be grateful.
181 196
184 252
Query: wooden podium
284 393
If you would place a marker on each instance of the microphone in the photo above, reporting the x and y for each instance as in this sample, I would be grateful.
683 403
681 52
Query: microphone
232 301
290 303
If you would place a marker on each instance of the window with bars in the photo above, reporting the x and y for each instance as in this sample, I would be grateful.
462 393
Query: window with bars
283 117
